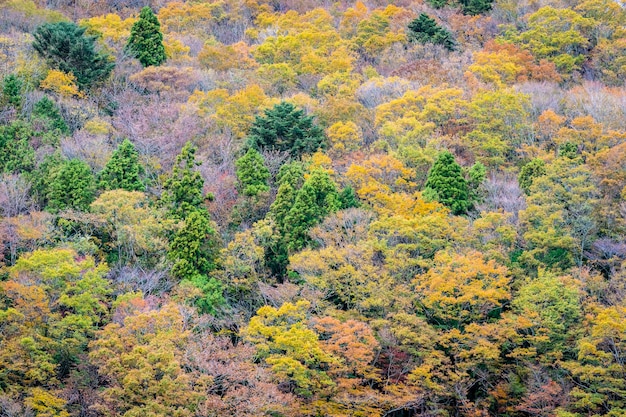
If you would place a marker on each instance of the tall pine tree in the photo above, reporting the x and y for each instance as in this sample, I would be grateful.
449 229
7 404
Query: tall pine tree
65 47
447 185
72 187
122 170
286 128
425 30
146 39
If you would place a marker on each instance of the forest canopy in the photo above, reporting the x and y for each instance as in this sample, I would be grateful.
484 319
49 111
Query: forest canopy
300 208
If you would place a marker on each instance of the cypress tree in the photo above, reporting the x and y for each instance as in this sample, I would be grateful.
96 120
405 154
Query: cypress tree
252 173
315 200
72 187
12 90
47 111
425 30
146 39
16 153
122 170
193 248
446 184
183 192
65 47
475 7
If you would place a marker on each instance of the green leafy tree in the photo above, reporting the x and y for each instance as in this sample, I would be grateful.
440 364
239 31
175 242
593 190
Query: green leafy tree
65 46
123 170
12 90
183 188
73 186
252 173
425 30
529 172
146 39
46 111
16 153
446 184
286 128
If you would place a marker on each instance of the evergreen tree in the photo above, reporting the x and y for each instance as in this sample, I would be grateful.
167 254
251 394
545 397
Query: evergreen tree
16 153
193 249
446 184
122 170
290 178
529 172
46 111
348 198
315 200
286 128
476 176
475 7
146 39
12 90
65 47
42 176
183 192
425 30
252 173
72 187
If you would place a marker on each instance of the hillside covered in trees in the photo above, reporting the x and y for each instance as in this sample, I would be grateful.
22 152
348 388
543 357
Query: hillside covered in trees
312 208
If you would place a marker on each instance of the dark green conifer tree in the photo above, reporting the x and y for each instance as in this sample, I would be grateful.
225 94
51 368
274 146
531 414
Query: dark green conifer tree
446 184
315 200
348 198
65 47
72 187
425 30
286 128
16 152
47 111
475 7
122 170
12 90
146 39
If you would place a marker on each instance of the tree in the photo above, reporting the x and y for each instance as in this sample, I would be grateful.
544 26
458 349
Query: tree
446 184
12 90
425 30
317 198
16 152
72 187
65 47
252 173
529 172
286 128
47 111
146 39
123 170
475 7
183 192
193 248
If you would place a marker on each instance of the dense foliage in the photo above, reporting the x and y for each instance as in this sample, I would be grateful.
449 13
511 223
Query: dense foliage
300 208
